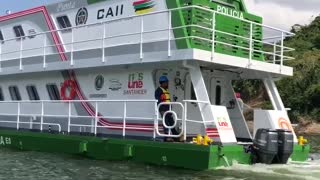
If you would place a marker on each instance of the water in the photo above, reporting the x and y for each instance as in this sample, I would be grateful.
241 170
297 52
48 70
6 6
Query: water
16 165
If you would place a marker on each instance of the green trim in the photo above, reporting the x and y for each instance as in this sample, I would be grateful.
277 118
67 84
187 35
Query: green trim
243 6
300 153
180 155
194 16
158 153
177 20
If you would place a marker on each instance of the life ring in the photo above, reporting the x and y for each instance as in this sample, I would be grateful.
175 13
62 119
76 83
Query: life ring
71 85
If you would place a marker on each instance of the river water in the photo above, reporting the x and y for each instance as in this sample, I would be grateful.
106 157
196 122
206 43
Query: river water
42 166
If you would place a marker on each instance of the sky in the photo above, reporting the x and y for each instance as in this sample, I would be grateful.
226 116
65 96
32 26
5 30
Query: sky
285 13
279 13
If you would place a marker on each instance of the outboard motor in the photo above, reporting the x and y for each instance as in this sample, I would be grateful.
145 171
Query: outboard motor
285 148
265 146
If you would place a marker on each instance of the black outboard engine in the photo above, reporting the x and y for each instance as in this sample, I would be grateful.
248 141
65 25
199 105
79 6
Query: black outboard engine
285 148
265 146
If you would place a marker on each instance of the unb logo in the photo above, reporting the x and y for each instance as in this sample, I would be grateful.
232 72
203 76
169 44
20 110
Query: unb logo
143 6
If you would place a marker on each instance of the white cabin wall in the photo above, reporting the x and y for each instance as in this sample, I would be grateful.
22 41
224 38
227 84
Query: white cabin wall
34 22
111 29
120 76
40 81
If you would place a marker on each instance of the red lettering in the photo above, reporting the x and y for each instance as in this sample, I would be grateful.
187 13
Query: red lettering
130 85
139 84
223 124
135 84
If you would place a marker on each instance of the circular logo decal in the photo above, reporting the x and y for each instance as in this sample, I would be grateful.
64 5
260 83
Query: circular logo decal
99 82
82 16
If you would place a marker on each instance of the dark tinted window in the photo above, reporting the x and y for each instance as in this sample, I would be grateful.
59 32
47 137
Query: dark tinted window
14 93
64 22
33 93
1 95
1 36
53 91
218 95
18 31
193 94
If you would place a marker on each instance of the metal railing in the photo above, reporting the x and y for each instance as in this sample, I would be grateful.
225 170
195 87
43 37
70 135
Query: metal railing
276 54
96 116
175 119
64 121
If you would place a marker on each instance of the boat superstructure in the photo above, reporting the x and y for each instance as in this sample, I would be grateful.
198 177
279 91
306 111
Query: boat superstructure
90 68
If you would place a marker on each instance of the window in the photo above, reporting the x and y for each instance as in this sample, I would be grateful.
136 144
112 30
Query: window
14 93
193 93
33 93
64 22
53 91
1 36
18 31
1 95
218 95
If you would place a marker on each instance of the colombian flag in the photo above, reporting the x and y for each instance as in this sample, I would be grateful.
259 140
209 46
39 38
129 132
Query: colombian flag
143 6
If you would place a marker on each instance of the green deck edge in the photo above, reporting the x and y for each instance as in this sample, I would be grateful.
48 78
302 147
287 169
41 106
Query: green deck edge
157 153
179 155
300 153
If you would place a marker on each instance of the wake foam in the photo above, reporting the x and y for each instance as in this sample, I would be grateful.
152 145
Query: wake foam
309 170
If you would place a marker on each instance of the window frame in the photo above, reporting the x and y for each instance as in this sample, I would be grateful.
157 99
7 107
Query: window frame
53 92
64 22
14 93
18 31
33 93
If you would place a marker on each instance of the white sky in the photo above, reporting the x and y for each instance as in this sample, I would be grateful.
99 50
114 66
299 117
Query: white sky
279 13
284 13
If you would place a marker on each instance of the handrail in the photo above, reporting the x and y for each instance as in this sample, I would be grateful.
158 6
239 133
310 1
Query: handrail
50 124
123 124
175 119
5 55
69 116
76 101
153 13
196 101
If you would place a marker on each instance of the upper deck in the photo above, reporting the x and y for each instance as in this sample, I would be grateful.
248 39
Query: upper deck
87 34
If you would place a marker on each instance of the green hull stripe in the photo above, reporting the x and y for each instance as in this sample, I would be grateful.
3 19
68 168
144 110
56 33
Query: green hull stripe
158 153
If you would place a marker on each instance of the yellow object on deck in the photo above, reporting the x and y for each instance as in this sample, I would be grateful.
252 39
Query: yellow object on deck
199 140
207 141
302 141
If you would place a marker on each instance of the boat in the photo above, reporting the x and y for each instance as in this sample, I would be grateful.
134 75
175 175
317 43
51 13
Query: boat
79 77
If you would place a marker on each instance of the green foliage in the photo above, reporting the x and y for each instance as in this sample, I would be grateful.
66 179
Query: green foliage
302 91
248 88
